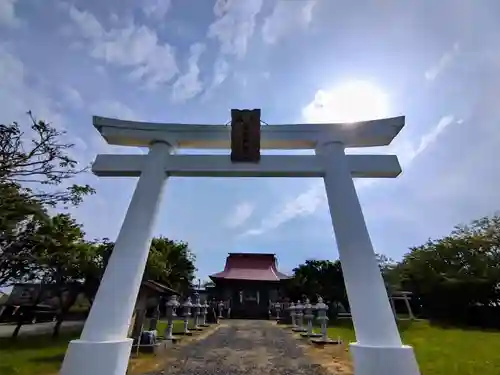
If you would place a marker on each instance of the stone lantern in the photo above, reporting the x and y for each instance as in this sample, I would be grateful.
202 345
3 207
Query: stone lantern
309 316
291 308
299 314
186 307
277 308
322 309
196 312
171 305
221 307
204 313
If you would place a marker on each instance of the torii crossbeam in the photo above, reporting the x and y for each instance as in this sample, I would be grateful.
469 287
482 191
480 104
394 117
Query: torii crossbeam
104 348
360 166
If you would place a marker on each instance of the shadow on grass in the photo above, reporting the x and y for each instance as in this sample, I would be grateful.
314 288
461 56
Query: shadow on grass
36 342
403 325
57 358
464 327
8 370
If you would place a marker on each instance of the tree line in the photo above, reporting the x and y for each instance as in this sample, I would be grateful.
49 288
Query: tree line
453 280
40 242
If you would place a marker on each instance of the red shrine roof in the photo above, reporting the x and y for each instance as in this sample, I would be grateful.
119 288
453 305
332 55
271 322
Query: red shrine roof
250 266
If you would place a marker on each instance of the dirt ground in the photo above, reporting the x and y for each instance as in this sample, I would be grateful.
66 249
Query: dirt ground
249 347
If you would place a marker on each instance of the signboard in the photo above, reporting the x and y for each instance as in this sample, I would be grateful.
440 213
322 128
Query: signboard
245 135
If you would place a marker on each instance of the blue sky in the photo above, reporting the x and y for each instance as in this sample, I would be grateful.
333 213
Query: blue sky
191 61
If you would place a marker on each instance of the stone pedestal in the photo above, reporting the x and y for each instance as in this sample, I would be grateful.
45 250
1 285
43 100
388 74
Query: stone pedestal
310 335
321 340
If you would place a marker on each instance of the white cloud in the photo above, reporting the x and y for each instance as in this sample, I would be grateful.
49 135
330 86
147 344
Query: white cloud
220 74
234 25
308 202
407 152
233 28
8 13
133 46
443 63
17 96
156 9
189 85
241 214
87 24
114 108
303 205
72 97
347 102
285 18
221 71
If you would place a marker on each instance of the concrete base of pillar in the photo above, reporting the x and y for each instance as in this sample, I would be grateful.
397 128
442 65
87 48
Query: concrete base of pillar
97 358
299 329
380 360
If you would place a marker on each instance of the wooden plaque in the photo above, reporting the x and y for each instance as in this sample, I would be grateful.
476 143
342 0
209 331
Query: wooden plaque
245 135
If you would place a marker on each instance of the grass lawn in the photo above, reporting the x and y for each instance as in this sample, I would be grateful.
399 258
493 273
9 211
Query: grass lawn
30 355
443 351
178 326
40 355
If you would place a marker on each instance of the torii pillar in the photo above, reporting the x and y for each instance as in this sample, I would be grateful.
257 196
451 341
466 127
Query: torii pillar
104 348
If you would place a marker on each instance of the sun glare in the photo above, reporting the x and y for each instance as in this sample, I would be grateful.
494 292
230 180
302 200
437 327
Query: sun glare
349 102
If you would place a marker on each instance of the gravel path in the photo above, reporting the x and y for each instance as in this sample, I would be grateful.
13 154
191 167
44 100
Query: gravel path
242 347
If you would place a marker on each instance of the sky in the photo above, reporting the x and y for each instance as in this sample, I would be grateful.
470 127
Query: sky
300 61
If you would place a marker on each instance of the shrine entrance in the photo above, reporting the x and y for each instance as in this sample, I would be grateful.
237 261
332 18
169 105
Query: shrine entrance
248 283
104 348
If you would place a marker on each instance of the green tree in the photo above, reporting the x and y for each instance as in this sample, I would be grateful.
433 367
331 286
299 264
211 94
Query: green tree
319 277
63 257
390 272
457 276
172 263
169 262
21 218
35 168
93 271
36 157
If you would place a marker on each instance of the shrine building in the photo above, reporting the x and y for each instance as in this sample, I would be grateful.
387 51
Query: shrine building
249 282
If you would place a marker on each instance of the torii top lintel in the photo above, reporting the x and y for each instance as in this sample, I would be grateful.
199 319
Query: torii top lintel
300 136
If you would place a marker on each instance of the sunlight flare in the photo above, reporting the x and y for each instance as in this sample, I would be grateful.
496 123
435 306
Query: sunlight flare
348 102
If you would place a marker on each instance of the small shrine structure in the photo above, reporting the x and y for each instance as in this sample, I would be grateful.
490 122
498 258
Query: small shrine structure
248 283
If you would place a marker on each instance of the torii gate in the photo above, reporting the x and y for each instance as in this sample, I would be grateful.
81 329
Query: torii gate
104 348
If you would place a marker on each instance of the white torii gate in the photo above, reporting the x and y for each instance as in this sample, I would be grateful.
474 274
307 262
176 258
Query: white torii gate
104 348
